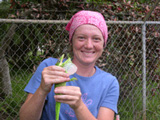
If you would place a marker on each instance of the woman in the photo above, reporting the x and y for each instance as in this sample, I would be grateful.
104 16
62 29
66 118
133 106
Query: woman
93 96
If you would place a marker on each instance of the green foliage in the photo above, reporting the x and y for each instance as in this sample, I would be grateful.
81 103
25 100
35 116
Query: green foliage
95 1
10 106
141 1
133 105
25 1
4 5
42 33
3 29
4 9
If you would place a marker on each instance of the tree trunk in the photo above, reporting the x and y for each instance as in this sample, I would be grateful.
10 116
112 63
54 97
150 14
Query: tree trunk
5 80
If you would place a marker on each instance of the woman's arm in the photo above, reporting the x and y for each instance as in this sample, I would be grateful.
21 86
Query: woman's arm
83 113
105 114
33 106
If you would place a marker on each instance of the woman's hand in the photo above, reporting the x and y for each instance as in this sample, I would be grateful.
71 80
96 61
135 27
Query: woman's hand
70 95
52 75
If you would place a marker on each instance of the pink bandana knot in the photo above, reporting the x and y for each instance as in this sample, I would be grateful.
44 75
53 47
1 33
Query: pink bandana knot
87 17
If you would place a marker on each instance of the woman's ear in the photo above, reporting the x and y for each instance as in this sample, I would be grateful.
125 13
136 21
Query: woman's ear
70 48
71 42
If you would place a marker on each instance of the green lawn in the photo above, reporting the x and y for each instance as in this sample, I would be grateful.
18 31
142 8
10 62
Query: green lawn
9 107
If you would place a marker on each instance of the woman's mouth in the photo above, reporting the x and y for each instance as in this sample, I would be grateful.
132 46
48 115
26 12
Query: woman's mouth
88 53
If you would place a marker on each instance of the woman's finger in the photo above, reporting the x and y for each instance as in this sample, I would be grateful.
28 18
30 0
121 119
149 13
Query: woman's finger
68 90
55 70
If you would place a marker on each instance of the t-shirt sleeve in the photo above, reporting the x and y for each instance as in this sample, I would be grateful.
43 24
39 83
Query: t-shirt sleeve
35 80
111 96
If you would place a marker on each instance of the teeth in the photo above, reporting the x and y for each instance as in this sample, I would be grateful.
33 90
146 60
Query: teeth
88 53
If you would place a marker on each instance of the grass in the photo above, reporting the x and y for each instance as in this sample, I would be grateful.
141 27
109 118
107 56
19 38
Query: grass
10 106
132 107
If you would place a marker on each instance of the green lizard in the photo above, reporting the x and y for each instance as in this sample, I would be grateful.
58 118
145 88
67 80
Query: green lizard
68 63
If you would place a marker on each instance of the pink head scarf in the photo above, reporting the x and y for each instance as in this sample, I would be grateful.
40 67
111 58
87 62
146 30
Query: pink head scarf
87 17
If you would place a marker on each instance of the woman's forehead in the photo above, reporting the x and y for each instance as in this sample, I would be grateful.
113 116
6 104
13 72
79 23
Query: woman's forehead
88 28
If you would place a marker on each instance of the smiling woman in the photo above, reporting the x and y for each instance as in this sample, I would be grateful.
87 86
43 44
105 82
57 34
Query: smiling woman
88 44
94 95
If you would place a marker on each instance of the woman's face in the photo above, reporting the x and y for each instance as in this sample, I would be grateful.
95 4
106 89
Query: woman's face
87 44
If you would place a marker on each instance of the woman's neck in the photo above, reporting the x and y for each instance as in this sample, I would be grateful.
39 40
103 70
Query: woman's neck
85 70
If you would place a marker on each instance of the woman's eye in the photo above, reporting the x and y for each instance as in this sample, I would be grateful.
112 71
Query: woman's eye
97 39
81 38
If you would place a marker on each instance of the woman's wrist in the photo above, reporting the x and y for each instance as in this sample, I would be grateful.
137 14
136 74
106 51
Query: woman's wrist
79 107
41 92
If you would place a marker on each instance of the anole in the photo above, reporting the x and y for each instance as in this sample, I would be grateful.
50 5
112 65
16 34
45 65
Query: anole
70 68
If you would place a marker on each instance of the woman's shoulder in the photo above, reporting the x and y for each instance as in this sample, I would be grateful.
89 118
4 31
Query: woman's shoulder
105 75
49 61
102 72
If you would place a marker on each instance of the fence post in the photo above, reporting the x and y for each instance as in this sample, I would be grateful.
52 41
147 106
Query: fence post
144 68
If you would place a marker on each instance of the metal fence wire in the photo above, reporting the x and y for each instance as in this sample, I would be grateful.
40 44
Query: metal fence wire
132 54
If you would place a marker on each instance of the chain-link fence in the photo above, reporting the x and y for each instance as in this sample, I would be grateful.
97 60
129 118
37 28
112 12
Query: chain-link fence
132 54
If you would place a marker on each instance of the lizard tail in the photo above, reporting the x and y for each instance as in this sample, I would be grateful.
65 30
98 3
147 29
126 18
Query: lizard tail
58 105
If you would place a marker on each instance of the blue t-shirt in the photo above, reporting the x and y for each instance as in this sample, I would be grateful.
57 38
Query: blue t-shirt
99 90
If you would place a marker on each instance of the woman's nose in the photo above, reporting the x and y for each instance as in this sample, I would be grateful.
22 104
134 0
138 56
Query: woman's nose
89 43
